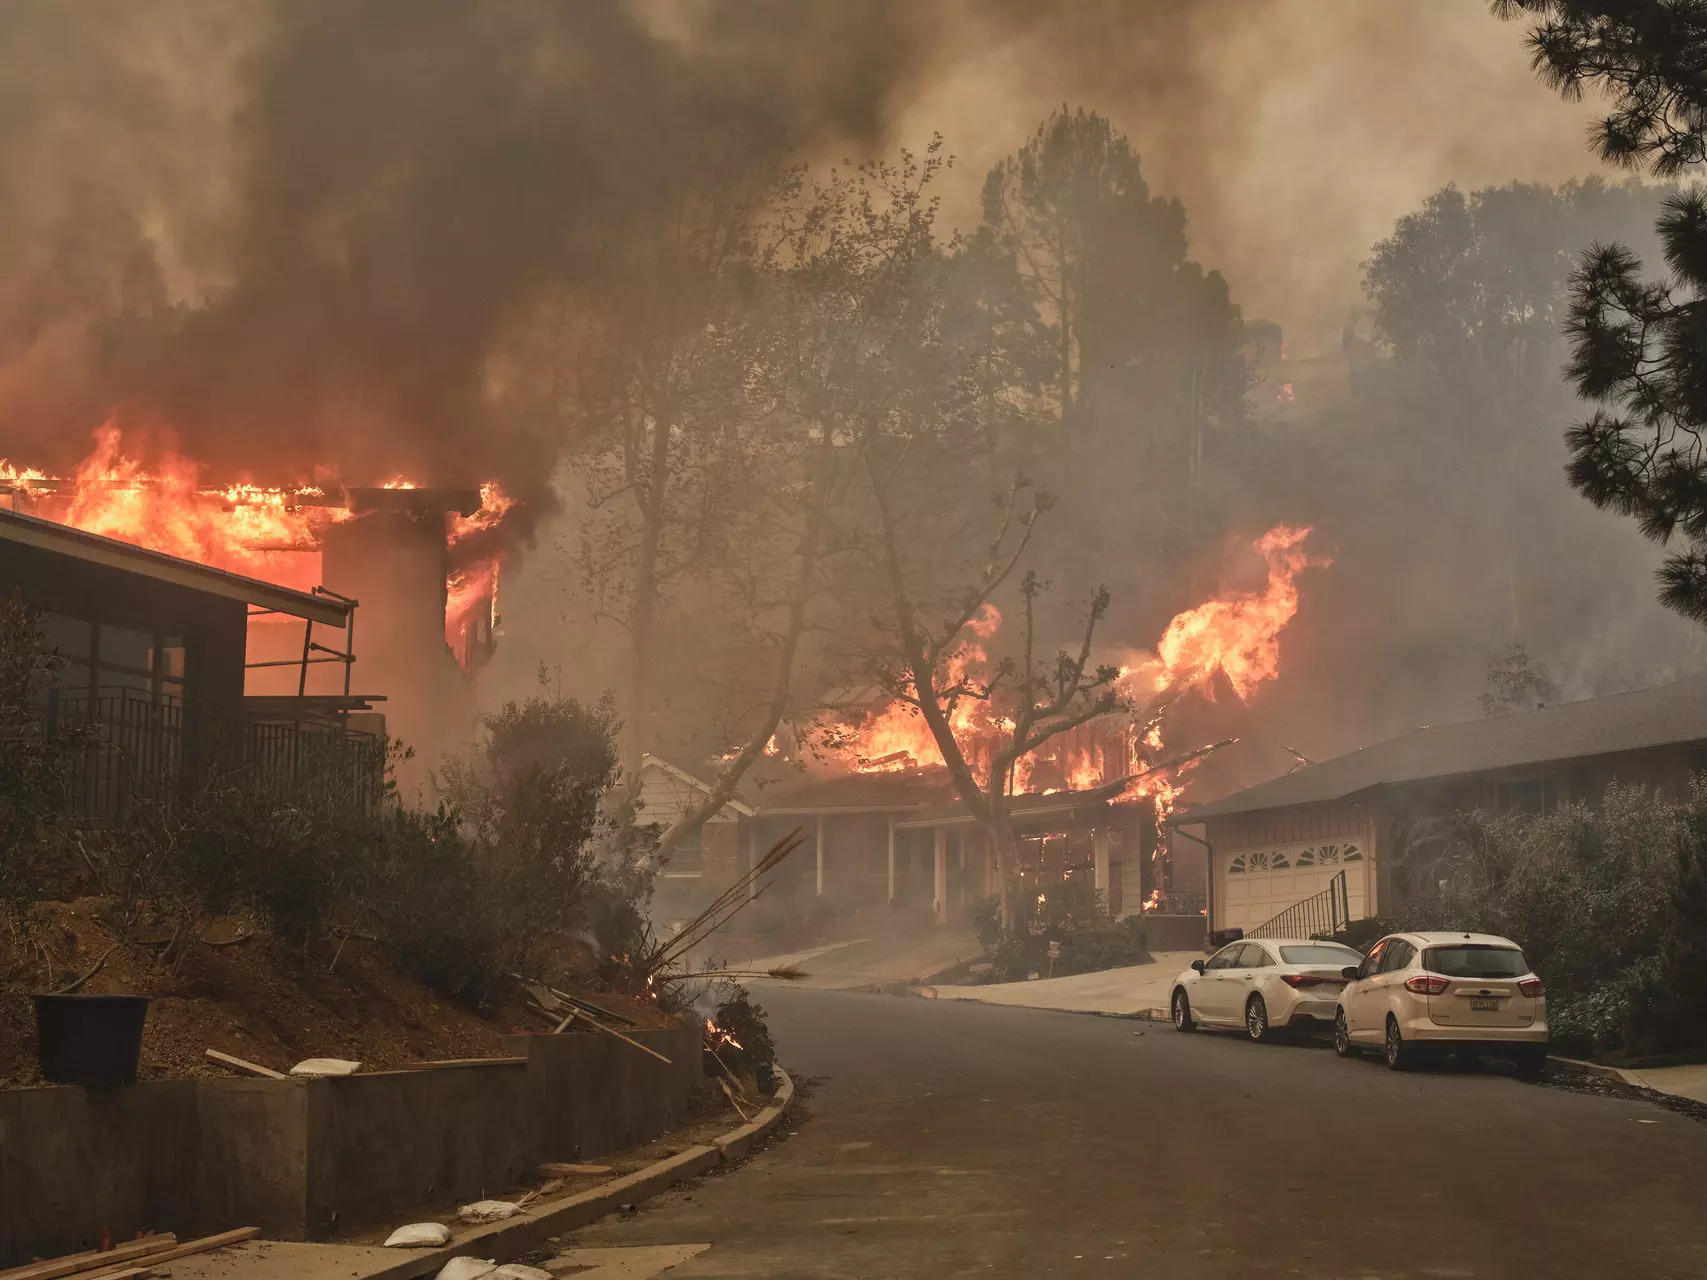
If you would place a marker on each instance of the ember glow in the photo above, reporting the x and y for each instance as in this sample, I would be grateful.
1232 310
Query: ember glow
268 532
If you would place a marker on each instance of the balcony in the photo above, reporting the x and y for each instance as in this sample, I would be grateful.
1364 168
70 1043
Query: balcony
145 749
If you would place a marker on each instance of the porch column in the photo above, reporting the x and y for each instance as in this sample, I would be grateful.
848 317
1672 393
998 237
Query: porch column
940 883
818 887
1099 846
892 861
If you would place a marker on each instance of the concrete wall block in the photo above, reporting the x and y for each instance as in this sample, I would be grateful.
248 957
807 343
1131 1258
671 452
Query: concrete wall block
250 1157
382 1142
75 1162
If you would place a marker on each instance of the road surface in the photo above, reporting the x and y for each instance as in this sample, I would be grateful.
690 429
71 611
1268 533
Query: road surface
946 1139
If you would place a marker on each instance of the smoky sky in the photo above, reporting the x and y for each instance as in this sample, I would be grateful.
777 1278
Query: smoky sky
299 231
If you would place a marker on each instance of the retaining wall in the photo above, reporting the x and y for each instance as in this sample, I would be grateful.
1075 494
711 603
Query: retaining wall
301 1158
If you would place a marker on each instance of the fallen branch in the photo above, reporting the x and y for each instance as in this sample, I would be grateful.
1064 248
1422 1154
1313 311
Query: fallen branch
729 1093
100 964
786 973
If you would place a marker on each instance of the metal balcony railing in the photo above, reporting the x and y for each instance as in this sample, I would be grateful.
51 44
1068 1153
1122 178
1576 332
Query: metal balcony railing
1324 913
147 749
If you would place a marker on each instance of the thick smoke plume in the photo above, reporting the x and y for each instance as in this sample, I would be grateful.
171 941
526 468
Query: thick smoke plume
298 234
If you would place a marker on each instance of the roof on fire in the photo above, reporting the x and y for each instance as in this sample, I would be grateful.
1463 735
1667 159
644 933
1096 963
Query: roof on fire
1666 716
1052 804
862 793
61 539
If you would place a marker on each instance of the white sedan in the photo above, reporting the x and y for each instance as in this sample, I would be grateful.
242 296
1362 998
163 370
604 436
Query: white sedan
1262 985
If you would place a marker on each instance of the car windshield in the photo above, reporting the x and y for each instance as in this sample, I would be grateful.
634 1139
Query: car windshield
1475 961
1326 954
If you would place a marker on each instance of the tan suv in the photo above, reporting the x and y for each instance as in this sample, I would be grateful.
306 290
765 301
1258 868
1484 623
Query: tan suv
1420 991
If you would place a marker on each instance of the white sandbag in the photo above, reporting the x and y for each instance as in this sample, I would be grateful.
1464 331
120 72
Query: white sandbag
319 1067
418 1235
467 1268
488 1211
516 1271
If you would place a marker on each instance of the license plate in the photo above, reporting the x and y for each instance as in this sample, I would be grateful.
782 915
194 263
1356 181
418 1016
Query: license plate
1484 1004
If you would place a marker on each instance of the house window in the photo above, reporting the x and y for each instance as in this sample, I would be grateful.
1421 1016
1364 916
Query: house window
100 658
688 857
1532 796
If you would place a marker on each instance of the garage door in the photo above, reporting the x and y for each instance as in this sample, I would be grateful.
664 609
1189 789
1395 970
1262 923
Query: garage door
1259 884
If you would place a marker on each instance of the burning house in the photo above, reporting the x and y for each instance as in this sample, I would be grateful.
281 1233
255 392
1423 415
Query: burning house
424 563
885 824
156 664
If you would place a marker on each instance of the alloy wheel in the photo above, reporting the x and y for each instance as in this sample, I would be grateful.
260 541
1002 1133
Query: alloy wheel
1256 1018
1342 1035
1182 1013
1395 1046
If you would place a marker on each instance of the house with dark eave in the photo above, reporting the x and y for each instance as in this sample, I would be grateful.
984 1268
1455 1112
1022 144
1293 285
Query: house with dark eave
1275 844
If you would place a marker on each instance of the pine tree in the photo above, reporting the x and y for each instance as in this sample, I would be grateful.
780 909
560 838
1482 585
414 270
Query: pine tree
1639 346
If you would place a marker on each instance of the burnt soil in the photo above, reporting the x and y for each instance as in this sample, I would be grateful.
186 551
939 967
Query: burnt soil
260 1000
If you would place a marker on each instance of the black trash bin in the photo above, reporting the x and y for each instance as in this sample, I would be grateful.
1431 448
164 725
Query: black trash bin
90 1040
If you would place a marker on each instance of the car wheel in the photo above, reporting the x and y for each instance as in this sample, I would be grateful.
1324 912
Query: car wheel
1399 1054
1182 1013
1256 1019
1531 1061
1342 1037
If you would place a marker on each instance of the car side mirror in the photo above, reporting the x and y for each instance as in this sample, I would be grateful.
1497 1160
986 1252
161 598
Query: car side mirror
1198 965
1350 972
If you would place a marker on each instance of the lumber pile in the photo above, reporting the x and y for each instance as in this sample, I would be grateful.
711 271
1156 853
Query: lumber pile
131 1260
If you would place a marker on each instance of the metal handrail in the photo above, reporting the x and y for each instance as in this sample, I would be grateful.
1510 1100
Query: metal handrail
1326 912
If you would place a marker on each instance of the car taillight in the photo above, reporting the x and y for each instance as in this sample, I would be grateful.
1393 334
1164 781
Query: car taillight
1426 984
1532 987
1304 979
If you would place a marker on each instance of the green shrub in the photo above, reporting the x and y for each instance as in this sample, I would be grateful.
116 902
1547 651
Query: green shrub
1071 913
1609 904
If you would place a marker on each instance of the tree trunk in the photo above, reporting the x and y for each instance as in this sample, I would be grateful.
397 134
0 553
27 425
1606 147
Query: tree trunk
642 620
729 777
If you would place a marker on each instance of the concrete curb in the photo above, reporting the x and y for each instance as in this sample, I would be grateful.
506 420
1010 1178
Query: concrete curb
509 1239
1598 1069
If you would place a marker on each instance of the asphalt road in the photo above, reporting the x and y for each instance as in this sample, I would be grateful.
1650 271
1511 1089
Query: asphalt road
949 1139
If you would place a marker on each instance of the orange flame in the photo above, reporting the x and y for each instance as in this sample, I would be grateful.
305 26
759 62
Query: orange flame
259 531
250 529
1238 636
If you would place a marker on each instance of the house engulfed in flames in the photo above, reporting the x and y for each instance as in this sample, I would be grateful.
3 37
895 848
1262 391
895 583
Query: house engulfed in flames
424 564
883 819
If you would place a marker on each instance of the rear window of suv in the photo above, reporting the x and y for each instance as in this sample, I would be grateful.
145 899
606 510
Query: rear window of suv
1341 956
1476 961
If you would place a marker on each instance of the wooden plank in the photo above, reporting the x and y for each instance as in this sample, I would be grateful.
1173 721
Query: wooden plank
80 1264
203 1245
240 1064
89 1257
554 1170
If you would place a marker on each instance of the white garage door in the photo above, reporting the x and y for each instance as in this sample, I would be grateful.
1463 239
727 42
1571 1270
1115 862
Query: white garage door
1259 884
